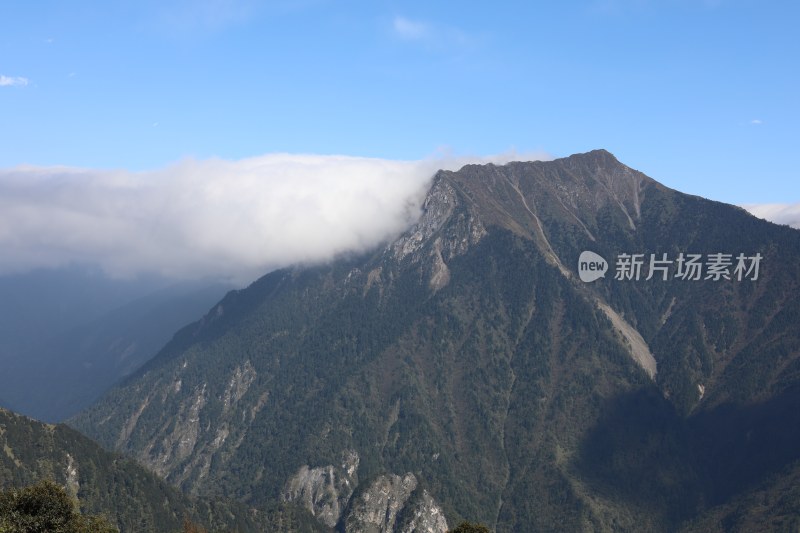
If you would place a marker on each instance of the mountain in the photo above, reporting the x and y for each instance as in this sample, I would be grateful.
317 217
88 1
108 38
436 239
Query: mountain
74 335
106 483
773 505
47 302
465 371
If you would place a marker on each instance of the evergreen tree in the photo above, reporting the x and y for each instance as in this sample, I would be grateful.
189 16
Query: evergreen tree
46 508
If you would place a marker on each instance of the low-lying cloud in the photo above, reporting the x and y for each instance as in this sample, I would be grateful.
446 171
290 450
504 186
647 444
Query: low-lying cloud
788 214
210 218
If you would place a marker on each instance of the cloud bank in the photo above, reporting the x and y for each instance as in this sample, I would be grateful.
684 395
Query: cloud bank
211 218
788 214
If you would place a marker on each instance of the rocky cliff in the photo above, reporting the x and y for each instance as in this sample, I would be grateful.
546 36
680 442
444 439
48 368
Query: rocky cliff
389 504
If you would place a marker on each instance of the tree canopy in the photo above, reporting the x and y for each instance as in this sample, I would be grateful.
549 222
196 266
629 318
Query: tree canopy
46 508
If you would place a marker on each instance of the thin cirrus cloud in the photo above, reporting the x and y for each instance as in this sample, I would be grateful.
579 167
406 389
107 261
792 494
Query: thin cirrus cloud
433 35
13 81
211 218
410 29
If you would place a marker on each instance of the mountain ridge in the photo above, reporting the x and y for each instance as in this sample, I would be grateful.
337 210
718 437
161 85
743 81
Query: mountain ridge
468 353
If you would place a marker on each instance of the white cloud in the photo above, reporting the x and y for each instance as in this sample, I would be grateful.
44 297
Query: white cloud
788 214
410 29
11 81
436 36
756 122
232 219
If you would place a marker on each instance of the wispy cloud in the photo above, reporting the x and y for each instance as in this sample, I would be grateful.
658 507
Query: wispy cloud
232 219
428 33
410 29
13 81
192 19
756 122
198 17
788 214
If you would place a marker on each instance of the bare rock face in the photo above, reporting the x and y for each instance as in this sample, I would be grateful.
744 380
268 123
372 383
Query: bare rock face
446 229
436 210
391 503
425 516
324 490
376 509
394 504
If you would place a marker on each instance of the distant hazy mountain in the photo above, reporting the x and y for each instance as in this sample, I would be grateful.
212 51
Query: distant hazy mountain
68 335
47 302
466 371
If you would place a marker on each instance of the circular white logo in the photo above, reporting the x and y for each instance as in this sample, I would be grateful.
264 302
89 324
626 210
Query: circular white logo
591 266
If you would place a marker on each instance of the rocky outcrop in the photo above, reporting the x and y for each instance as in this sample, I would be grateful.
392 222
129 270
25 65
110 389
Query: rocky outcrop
391 503
395 504
446 229
376 509
71 477
324 491
424 516
437 208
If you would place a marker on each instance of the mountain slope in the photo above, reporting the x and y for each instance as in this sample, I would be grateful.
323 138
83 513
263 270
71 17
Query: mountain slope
130 496
773 505
469 353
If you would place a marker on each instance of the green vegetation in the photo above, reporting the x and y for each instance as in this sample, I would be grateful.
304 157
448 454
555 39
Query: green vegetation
46 507
132 498
469 527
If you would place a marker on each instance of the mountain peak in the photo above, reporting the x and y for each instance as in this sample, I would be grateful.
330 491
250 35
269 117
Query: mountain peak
525 198
598 154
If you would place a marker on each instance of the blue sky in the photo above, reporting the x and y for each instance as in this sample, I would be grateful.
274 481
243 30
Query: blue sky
699 94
